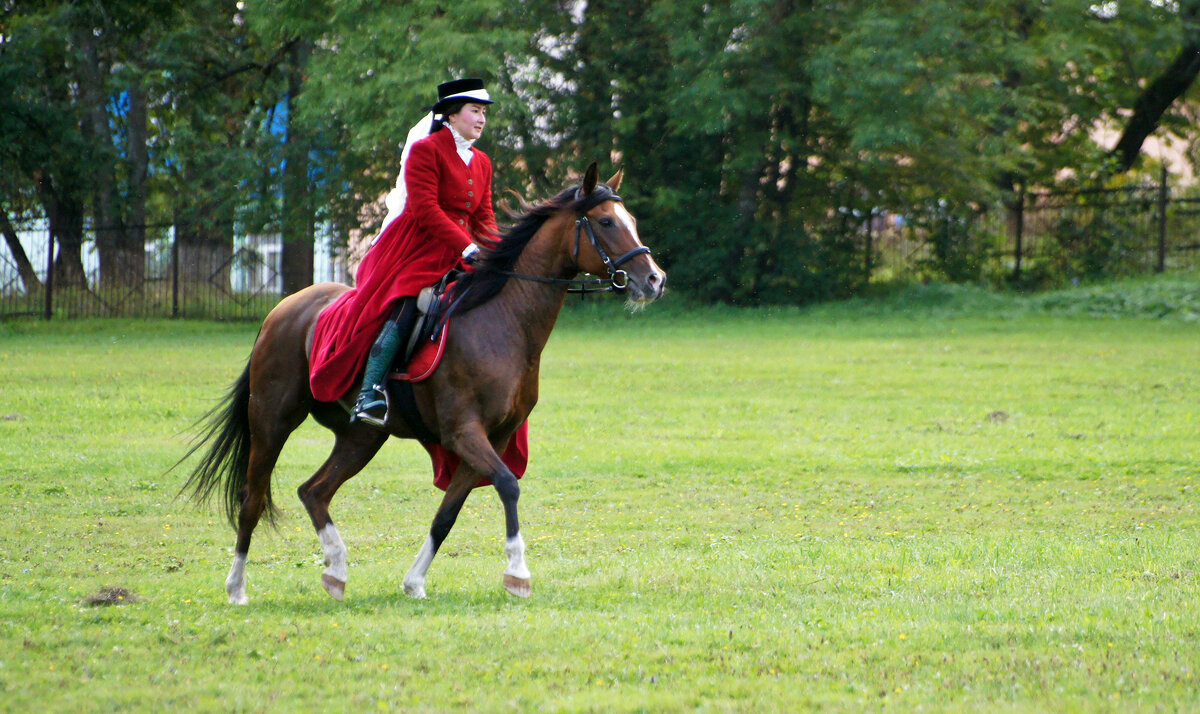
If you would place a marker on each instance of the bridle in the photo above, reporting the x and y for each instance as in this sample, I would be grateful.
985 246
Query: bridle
617 279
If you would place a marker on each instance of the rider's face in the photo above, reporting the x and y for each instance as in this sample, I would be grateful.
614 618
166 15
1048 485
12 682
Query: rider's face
469 121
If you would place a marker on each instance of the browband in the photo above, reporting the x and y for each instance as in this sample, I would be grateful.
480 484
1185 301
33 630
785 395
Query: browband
599 195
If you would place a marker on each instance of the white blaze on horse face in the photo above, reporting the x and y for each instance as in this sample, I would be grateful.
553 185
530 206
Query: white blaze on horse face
654 287
335 553
235 584
414 582
626 220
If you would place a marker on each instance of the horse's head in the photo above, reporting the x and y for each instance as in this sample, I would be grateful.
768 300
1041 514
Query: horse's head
607 243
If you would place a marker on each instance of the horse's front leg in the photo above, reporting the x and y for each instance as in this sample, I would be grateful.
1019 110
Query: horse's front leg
516 575
352 450
479 457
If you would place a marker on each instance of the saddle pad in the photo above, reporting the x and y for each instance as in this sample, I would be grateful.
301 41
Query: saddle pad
426 360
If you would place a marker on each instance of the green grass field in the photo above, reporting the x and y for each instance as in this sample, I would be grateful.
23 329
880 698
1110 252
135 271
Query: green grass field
945 500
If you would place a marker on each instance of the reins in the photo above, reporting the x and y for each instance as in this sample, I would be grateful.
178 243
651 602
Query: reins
617 279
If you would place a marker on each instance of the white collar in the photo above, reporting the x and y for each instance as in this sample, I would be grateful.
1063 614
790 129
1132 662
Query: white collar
461 144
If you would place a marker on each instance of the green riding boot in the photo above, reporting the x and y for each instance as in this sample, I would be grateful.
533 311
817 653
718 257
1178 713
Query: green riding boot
371 407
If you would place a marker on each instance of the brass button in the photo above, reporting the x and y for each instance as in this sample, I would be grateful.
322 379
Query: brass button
460 221
470 180
470 193
468 204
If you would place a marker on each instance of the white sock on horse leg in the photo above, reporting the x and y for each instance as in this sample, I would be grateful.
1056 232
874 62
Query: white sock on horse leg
235 584
414 582
335 553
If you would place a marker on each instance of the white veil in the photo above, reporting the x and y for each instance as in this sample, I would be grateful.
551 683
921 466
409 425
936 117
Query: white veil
397 197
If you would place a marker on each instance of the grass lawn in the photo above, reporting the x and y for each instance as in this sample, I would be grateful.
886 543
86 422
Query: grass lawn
944 501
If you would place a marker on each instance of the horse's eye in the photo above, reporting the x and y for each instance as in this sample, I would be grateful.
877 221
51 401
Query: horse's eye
606 222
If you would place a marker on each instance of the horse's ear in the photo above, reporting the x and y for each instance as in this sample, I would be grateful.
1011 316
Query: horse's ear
615 182
590 177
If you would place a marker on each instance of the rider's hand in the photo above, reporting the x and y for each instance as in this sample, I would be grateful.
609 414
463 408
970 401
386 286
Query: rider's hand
470 254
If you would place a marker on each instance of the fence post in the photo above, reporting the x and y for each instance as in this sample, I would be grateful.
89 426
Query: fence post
49 286
1161 265
1019 234
175 271
869 261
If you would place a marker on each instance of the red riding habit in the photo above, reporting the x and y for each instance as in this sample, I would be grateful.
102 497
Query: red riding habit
448 203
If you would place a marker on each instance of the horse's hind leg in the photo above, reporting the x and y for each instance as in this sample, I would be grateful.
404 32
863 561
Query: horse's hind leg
354 448
275 407
265 445
460 487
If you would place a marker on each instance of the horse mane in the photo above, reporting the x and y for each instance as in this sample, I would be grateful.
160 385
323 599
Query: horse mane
496 262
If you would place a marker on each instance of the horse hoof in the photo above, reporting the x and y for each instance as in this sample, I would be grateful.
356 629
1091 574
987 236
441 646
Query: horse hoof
237 593
336 588
518 587
414 591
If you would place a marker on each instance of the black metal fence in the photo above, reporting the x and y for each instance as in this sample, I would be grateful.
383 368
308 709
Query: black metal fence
1043 239
241 281
1093 233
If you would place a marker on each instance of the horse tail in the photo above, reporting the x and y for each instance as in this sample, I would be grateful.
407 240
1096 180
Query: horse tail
225 465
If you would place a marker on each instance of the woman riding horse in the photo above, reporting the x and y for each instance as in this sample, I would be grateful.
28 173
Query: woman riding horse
441 209
483 390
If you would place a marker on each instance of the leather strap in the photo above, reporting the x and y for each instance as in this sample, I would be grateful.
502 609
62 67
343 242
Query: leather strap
406 404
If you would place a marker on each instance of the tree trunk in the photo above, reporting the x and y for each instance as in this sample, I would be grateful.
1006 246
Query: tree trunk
594 76
134 243
33 285
64 210
205 254
110 239
298 214
1159 95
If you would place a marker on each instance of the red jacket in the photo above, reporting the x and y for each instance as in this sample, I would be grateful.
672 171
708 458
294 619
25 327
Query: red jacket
449 204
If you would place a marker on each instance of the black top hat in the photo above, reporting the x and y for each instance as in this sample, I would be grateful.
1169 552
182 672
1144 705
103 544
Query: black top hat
469 89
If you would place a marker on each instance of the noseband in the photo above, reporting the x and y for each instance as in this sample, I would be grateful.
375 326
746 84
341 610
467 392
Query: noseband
617 278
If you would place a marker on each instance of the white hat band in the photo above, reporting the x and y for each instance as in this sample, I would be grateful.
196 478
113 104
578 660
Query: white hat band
480 94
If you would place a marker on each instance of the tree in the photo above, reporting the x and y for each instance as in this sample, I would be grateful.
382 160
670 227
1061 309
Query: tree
25 270
362 99
291 31
759 136
1166 88
42 149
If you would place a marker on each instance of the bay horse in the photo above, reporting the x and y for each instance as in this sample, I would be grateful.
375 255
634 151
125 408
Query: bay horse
483 390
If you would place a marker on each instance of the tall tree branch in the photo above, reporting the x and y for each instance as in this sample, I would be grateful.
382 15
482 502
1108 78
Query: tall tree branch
24 267
1154 102
1160 94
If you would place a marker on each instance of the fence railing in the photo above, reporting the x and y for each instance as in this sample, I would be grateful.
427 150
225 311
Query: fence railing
239 281
1042 238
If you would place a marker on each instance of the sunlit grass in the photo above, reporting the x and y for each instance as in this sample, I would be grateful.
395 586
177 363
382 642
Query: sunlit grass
952 504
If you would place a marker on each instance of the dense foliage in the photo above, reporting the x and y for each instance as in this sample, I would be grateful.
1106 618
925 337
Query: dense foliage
758 136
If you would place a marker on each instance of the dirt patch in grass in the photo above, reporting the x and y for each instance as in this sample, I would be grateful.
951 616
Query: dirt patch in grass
111 596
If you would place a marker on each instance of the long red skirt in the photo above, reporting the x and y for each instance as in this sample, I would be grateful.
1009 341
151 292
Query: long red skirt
515 457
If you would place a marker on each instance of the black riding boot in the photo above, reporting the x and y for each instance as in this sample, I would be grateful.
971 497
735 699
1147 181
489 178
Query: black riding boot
372 406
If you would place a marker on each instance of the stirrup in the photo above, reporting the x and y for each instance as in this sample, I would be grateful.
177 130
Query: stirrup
365 405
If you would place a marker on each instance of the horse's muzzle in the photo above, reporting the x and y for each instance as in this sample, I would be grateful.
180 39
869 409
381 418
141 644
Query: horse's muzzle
647 286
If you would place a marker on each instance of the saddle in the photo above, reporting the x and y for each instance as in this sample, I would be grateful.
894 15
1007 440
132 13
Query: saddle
433 308
422 352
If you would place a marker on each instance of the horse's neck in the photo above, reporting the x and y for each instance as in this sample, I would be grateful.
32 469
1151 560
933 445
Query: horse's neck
535 306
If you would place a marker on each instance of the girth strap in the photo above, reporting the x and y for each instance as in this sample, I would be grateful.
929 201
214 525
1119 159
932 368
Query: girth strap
405 404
